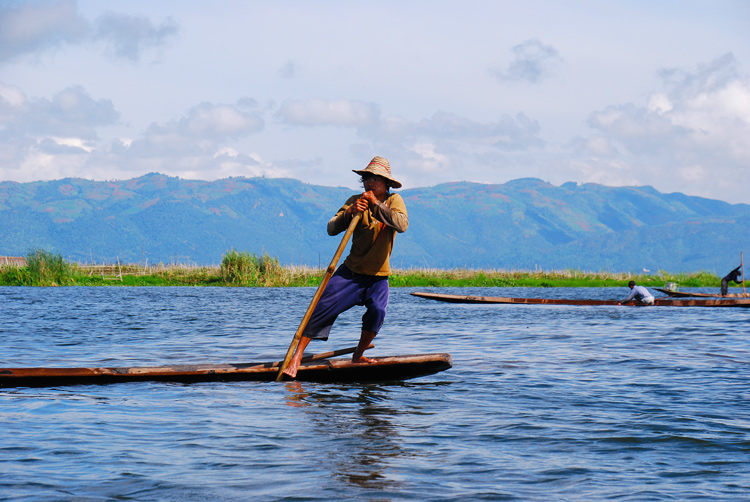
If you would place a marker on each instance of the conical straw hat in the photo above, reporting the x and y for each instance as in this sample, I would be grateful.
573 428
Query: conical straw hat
380 167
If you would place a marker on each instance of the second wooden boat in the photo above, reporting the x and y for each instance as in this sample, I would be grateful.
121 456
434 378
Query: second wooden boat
659 302
687 294
515 301
384 369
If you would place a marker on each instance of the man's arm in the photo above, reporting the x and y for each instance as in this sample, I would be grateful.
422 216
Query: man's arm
396 219
339 222
342 218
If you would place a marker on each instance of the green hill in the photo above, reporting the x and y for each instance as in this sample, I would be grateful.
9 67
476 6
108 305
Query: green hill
522 224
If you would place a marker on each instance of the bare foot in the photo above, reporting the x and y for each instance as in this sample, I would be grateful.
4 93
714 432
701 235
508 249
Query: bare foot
291 370
362 359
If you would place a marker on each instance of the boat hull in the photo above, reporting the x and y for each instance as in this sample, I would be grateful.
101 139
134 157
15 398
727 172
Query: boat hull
383 369
685 294
659 302
508 300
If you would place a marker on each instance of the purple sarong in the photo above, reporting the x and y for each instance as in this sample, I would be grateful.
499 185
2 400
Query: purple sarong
344 290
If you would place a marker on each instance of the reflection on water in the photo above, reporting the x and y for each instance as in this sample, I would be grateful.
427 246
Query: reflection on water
376 443
295 394
358 431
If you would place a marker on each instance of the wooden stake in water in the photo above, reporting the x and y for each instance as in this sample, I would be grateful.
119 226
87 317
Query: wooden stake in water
329 272
742 267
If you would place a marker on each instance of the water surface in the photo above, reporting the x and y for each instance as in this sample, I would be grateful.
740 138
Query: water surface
543 402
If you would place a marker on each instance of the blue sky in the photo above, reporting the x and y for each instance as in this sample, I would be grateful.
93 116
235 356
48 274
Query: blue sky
617 92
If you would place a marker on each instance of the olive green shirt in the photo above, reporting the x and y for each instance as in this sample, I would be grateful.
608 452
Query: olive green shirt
372 240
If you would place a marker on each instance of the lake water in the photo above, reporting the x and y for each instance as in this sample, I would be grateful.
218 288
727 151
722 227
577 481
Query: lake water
542 403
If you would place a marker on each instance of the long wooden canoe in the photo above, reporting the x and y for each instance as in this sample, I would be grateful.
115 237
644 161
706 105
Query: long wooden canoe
687 294
392 368
502 299
659 302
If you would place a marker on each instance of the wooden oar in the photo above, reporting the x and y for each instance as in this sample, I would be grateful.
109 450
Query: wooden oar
329 272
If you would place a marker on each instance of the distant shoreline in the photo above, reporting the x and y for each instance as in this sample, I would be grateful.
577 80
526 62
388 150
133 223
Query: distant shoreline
299 276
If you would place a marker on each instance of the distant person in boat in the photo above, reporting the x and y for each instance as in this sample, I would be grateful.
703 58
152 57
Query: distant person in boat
638 294
733 276
363 277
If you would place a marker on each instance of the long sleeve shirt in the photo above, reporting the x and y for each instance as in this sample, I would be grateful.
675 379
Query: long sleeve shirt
373 238
639 293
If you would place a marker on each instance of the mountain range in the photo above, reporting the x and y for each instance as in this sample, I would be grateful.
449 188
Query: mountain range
524 224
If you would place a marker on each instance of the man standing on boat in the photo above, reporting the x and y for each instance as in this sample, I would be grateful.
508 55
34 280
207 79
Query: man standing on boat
733 276
639 294
363 277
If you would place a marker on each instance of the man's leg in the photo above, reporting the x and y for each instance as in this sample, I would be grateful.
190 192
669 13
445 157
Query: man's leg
376 303
365 340
339 295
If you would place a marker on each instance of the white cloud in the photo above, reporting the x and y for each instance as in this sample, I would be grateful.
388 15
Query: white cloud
247 165
693 173
226 152
75 143
11 96
695 134
34 27
450 130
599 146
216 121
333 95
702 110
129 36
30 27
636 128
58 137
427 159
659 103
533 61
72 112
198 145
199 133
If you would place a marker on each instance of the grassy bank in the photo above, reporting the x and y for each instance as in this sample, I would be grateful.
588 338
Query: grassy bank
242 269
544 278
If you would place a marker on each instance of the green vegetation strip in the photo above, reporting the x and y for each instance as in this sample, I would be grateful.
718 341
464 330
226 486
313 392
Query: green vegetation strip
245 269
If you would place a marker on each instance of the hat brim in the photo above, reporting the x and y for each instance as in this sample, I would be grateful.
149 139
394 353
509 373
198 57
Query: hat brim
362 172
